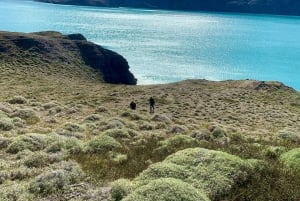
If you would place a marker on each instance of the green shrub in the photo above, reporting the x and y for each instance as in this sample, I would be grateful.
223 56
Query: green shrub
31 141
50 105
272 152
118 158
202 135
73 127
59 143
3 177
289 134
6 124
21 173
102 144
292 159
18 100
28 115
53 181
120 189
117 133
178 129
161 118
5 108
163 170
134 116
55 110
218 132
93 118
37 160
4 142
14 191
56 146
67 133
166 189
212 172
114 123
73 145
18 122
101 109
175 143
146 126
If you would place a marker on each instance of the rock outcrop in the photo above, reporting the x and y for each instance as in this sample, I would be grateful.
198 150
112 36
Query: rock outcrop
53 49
281 7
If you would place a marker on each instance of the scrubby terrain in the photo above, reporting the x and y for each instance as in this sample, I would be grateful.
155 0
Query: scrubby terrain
66 137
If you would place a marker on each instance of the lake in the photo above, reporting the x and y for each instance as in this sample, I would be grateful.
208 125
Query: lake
168 46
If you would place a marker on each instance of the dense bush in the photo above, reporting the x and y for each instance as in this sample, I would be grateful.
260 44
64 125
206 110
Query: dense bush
117 133
178 129
31 141
18 100
273 152
28 115
289 134
67 173
50 105
36 159
14 191
166 189
163 170
292 159
114 123
176 143
4 142
102 144
6 124
134 116
161 118
120 189
73 127
93 118
213 172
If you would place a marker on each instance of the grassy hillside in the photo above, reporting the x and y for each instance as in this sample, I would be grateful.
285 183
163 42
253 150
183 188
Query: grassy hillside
66 135
61 57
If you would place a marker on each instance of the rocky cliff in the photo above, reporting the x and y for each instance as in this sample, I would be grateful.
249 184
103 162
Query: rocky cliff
51 53
281 7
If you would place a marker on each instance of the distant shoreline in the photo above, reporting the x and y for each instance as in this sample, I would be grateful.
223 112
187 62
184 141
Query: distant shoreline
278 7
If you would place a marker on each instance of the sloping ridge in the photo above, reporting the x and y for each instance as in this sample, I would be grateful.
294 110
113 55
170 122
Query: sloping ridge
65 53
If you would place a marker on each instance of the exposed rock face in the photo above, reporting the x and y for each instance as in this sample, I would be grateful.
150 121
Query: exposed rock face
282 7
53 48
113 66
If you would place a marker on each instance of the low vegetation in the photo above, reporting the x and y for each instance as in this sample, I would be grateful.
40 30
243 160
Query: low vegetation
77 139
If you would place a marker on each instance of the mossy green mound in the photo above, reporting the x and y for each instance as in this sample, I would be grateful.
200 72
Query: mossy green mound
292 159
176 142
209 171
102 144
167 189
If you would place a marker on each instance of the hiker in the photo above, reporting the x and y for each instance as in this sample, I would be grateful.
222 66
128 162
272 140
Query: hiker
132 105
151 103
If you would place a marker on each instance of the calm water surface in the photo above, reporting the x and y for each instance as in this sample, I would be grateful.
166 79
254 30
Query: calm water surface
168 46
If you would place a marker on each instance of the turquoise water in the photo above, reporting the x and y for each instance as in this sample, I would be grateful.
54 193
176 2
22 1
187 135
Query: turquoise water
168 46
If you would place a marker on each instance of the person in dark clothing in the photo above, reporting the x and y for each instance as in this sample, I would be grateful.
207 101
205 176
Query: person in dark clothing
132 105
151 103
